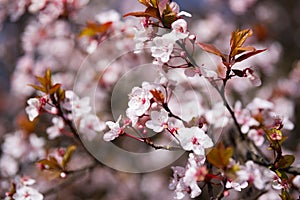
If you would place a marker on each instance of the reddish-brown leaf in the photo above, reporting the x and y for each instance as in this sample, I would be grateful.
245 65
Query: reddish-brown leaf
54 88
93 28
238 38
149 3
51 164
158 95
248 55
219 156
212 49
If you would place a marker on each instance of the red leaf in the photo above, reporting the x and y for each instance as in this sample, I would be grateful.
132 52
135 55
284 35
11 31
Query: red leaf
248 55
149 12
212 49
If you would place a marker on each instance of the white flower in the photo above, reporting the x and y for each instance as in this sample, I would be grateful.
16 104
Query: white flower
244 117
258 104
131 114
141 36
90 125
8 166
55 130
27 193
158 120
163 47
252 174
139 103
16 139
115 130
178 173
191 177
296 181
180 29
236 185
79 107
36 150
33 108
36 5
194 139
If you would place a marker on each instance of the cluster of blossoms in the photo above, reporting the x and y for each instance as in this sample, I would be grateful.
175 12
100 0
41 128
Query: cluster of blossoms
22 189
188 104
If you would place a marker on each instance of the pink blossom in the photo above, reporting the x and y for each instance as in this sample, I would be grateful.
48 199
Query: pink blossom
27 193
217 115
244 117
236 185
252 173
79 107
163 47
8 166
194 139
180 29
33 108
139 103
90 125
257 135
55 130
158 120
115 130
36 5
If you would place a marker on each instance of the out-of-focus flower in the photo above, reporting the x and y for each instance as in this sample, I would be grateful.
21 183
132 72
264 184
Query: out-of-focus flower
194 139
8 166
217 115
79 107
253 174
236 185
55 130
257 135
90 125
244 117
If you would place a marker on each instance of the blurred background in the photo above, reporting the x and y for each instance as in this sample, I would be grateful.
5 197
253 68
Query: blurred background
276 26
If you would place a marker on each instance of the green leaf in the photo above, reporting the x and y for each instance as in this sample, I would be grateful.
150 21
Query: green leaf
285 195
219 156
285 161
168 16
68 155
281 174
